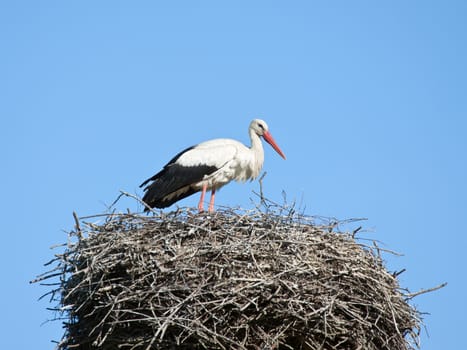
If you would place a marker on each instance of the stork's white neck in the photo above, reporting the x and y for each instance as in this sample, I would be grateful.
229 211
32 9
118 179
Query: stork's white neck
257 152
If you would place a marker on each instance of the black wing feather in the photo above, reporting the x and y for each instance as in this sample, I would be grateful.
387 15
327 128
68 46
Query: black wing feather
172 178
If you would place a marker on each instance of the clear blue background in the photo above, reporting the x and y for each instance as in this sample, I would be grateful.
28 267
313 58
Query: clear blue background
368 99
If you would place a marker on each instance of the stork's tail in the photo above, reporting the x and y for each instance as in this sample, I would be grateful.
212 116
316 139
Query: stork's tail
156 197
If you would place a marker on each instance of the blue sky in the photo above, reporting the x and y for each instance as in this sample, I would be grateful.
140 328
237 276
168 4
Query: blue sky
367 99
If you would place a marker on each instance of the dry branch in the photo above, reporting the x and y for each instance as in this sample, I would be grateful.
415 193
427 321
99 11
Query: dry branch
228 280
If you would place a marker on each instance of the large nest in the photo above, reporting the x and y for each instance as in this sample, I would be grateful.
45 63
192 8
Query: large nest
228 280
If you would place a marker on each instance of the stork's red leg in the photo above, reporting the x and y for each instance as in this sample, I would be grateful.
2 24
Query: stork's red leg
211 202
201 200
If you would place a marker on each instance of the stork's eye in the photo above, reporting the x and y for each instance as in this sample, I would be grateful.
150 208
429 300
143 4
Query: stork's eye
261 126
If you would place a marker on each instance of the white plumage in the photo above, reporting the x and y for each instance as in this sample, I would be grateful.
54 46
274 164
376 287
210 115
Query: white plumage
209 166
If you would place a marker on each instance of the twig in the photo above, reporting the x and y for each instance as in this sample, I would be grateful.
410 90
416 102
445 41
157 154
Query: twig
77 226
423 291
138 199
261 193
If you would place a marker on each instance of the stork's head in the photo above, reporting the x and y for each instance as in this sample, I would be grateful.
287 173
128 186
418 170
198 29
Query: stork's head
260 128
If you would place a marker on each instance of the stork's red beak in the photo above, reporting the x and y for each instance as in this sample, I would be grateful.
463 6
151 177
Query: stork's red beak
267 136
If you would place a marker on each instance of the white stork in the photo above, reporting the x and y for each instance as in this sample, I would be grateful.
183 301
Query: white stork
208 166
